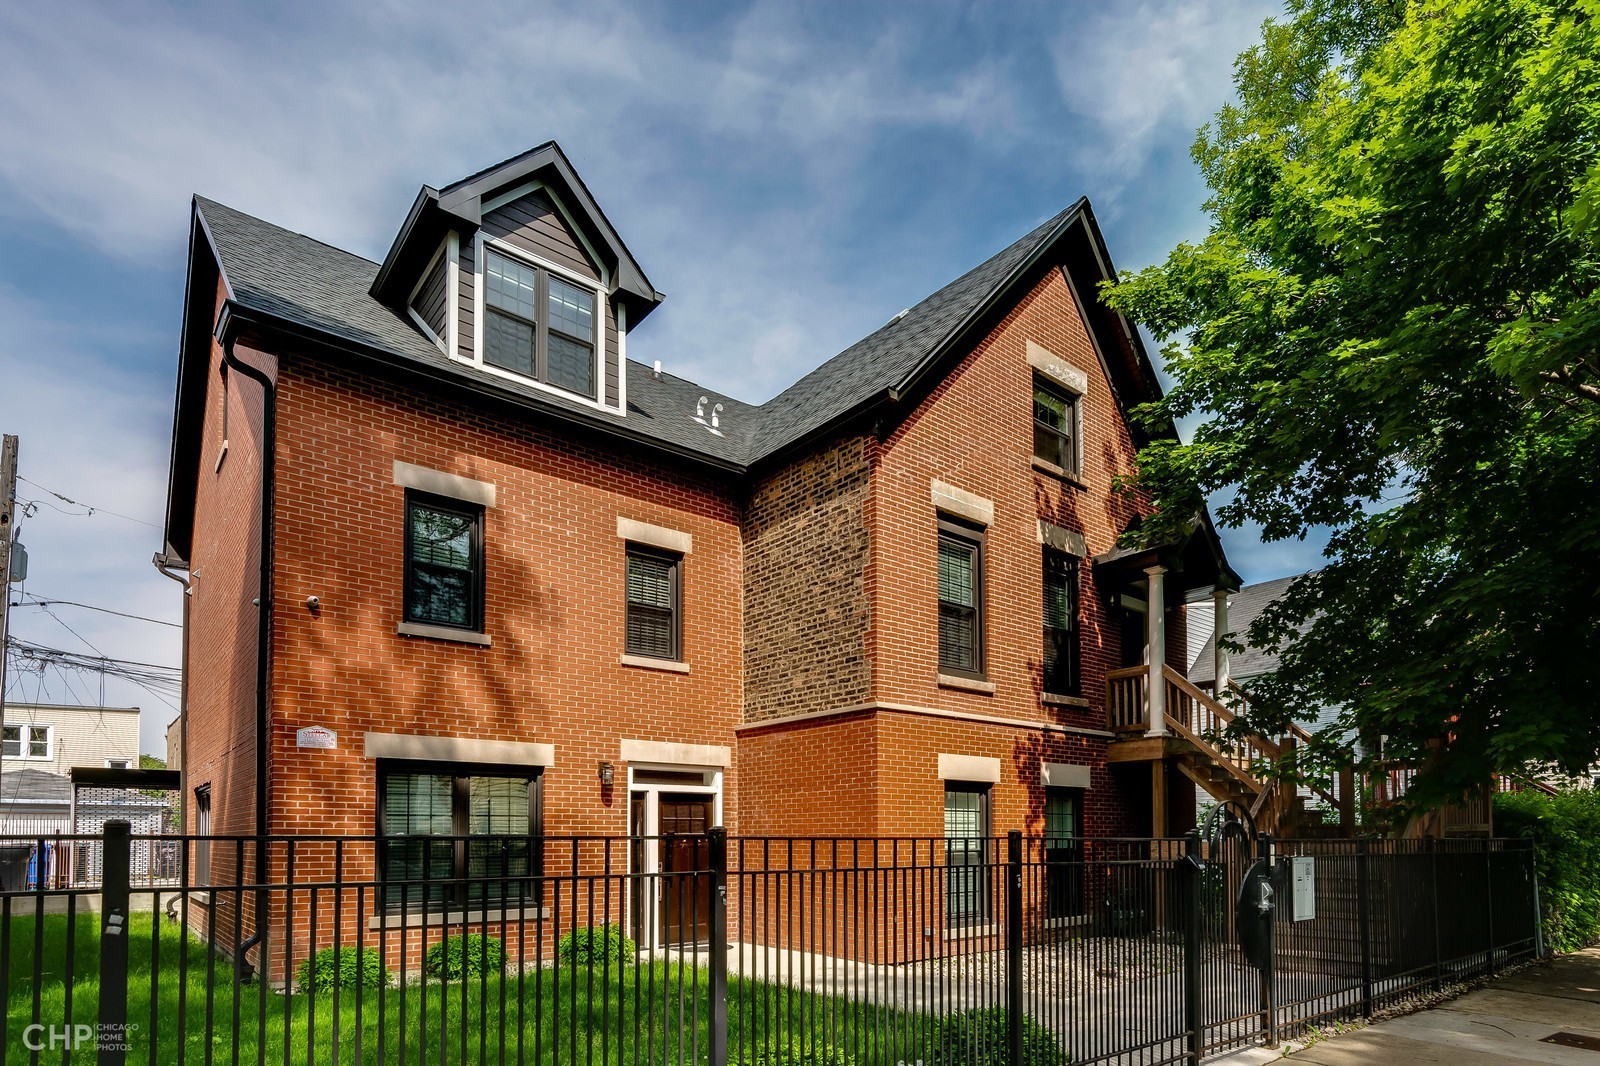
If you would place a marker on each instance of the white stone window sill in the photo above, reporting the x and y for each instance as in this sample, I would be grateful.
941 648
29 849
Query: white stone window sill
1066 923
971 932
966 684
416 918
1044 466
1063 701
644 662
458 636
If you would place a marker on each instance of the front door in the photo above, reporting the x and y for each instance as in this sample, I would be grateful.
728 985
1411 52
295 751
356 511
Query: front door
685 868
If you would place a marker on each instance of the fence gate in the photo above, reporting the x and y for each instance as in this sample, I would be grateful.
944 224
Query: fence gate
1230 997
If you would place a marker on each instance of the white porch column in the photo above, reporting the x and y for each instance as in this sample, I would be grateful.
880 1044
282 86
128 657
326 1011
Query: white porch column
1221 629
1156 646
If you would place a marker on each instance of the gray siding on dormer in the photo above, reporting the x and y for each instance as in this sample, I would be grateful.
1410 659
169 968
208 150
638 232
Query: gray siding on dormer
429 302
532 224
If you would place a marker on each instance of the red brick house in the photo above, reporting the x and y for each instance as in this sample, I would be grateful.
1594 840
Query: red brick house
456 563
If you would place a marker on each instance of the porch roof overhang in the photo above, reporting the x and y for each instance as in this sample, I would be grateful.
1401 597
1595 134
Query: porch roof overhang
1192 561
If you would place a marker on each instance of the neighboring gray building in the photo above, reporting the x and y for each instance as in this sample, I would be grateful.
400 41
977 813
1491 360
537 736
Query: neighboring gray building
1244 607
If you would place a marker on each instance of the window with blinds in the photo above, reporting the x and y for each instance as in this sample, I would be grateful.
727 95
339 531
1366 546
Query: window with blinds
1063 852
444 562
960 601
1060 623
966 836
456 838
653 616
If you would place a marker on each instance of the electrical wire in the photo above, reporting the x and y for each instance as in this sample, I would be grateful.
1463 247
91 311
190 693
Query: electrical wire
89 509
42 601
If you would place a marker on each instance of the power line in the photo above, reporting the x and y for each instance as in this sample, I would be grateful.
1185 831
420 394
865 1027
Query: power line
41 601
89 509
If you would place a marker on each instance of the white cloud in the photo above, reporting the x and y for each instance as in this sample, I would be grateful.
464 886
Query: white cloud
1149 74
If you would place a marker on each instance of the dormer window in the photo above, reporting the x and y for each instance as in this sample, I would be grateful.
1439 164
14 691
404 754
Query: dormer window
538 324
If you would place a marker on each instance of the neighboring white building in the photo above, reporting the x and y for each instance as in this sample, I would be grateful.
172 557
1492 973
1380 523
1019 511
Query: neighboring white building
56 737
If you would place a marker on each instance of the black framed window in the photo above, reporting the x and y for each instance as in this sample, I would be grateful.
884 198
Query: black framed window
967 840
960 600
444 562
459 836
538 325
201 875
1063 852
1055 425
1060 623
654 622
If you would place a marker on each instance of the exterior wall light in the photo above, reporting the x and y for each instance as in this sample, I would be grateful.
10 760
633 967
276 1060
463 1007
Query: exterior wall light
608 774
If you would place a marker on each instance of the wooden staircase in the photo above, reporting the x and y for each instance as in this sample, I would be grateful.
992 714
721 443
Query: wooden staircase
1225 768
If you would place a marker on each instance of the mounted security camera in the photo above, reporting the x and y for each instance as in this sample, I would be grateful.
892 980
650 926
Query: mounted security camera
312 603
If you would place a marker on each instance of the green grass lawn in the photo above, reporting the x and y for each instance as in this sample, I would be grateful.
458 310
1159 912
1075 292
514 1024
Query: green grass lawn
644 1014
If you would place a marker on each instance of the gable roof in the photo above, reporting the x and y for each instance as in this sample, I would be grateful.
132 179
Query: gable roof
460 204
1244 607
324 298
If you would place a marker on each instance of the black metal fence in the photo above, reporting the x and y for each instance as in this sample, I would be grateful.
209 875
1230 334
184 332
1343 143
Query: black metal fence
766 952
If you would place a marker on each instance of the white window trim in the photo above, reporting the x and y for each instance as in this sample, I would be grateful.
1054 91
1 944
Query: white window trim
479 262
411 300
127 764
650 860
24 735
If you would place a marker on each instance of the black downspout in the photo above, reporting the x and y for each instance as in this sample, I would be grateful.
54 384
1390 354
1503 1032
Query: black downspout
269 432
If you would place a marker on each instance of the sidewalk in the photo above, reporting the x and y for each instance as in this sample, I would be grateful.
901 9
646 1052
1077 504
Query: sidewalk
1507 1021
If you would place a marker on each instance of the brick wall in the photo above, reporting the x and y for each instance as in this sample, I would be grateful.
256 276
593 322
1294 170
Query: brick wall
221 635
554 602
805 556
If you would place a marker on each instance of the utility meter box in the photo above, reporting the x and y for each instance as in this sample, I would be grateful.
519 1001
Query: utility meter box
1303 879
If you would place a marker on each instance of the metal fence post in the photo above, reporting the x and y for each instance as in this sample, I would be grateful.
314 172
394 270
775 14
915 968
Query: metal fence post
1014 945
1364 918
1195 877
1538 904
112 1034
1269 959
1438 940
717 846
1488 902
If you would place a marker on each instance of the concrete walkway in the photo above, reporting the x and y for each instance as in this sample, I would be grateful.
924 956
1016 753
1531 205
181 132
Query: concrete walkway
1506 1021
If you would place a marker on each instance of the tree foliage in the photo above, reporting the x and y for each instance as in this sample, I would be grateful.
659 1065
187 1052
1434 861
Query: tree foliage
1391 331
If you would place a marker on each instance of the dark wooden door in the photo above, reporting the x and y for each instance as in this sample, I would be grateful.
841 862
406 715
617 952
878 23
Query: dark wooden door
685 866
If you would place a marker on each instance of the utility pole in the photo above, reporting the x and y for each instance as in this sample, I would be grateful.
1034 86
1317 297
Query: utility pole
8 530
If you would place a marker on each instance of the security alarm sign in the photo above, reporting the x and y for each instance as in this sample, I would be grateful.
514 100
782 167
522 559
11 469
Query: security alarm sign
1303 870
316 736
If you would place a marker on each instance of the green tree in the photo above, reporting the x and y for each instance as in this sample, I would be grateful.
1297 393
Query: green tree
1391 332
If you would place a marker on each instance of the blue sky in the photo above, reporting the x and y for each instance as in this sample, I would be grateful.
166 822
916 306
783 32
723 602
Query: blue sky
789 174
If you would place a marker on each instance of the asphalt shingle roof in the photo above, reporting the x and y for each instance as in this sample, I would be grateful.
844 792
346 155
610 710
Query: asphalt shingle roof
31 786
318 287
1244 607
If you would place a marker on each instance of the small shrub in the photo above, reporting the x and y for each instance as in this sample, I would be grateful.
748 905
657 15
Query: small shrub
1566 828
347 966
795 1053
979 1037
465 956
593 946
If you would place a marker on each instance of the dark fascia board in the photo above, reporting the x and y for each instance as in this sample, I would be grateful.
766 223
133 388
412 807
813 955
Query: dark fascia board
105 776
464 198
194 361
238 317
393 284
